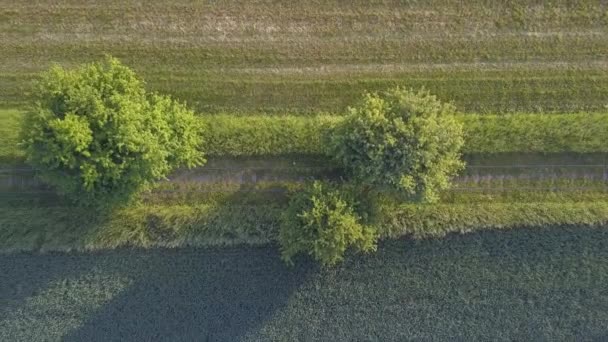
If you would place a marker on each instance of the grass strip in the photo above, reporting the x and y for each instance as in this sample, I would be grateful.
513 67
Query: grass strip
525 133
227 221
260 135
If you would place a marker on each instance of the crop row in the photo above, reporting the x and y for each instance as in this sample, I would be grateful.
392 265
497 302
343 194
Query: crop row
480 92
319 56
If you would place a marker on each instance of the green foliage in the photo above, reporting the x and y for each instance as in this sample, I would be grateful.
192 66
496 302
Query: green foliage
257 135
228 135
99 138
178 130
322 221
438 220
403 140
576 132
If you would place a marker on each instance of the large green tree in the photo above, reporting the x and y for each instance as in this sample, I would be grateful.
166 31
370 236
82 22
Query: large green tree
402 140
97 136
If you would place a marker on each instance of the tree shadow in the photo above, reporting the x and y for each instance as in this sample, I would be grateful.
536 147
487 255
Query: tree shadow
231 294
189 295
25 275
39 224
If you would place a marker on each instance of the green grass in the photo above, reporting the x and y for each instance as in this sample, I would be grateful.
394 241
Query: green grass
228 214
230 135
262 135
577 132
545 284
316 56
10 126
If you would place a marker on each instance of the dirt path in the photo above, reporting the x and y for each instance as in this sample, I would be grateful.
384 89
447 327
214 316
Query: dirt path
474 175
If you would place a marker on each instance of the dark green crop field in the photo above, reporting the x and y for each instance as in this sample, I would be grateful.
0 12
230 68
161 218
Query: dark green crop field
310 56
546 284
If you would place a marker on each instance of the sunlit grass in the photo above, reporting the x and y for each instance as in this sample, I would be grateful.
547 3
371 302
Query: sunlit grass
320 56
10 127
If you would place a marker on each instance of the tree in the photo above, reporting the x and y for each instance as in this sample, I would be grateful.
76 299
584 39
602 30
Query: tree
321 221
401 140
98 137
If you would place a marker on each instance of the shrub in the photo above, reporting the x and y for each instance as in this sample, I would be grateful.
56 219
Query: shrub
401 140
98 137
321 221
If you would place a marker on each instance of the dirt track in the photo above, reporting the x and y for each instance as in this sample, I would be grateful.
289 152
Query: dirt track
254 171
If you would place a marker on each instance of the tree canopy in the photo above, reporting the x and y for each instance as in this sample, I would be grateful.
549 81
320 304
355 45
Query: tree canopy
402 140
97 136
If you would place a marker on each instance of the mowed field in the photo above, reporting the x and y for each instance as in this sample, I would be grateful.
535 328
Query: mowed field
545 284
309 56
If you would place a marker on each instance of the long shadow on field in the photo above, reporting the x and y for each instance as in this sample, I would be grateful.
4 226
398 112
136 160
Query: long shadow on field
26 275
542 284
50 222
190 295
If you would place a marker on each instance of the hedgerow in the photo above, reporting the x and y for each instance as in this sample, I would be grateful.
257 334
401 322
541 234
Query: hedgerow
257 135
279 135
580 132
227 135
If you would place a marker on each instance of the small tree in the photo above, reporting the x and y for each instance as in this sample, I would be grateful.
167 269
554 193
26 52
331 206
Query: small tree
98 137
322 222
402 140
